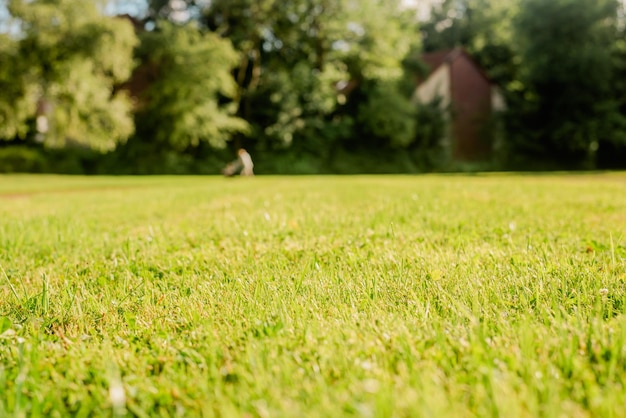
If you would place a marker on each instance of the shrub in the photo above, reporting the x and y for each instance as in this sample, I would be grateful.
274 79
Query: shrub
20 159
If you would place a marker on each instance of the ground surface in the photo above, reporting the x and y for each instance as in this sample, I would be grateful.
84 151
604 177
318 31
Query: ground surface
499 295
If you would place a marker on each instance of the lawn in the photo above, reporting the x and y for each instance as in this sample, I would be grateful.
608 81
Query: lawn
370 296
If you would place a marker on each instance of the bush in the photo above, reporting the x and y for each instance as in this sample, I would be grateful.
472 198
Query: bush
20 159
430 148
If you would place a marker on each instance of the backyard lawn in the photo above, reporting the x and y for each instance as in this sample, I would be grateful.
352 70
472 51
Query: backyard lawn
370 296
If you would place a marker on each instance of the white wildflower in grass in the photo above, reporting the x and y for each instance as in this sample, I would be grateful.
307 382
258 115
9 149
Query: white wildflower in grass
371 385
117 394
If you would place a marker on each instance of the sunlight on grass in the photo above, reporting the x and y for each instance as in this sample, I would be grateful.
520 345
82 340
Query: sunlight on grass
313 296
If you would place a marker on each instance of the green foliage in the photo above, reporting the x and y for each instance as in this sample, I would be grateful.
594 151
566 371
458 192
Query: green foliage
70 57
483 27
20 159
444 296
428 147
188 99
566 106
293 55
387 115
447 26
139 156
379 36
15 107
293 105
306 85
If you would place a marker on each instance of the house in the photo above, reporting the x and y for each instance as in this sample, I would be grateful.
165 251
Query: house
467 96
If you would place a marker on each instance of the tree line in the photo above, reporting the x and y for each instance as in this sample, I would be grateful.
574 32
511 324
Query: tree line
307 86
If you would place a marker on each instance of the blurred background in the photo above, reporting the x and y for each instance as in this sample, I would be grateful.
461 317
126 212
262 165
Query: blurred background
312 86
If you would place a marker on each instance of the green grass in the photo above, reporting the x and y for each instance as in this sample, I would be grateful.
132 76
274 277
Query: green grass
436 296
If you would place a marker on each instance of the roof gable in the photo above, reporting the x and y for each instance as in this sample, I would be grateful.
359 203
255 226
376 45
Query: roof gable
436 59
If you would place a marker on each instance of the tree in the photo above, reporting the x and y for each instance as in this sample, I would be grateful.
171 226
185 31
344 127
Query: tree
387 116
306 67
289 48
448 26
70 58
14 104
190 92
565 106
483 27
